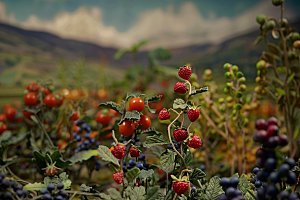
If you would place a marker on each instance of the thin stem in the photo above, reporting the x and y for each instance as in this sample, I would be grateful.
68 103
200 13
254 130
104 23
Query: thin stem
73 195
171 109
16 161
44 130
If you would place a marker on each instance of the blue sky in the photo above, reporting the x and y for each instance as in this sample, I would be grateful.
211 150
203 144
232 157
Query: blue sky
123 13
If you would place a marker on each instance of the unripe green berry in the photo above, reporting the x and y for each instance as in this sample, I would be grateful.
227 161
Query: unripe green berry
258 79
242 88
228 75
25 91
228 85
258 72
257 89
261 19
194 77
238 106
239 74
235 68
270 25
226 66
229 99
221 100
246 122
243 100
222 118
242 80
233 112
239 95
229 105
226 91
295 36
291 55
277 2
260 64
222 109
284 22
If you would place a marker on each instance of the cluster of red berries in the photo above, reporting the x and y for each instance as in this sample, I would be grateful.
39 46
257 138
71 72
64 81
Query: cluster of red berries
184 73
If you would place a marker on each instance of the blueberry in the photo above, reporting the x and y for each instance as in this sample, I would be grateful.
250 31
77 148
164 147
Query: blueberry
224 182
177 146
238 192
79 122
19 193
25 192
86 142
133 140
260 162
221 165
78 138
255 170
60 186
223 197
5 183
274 177
253 180
81 162
131 162
230 192
62 193
97 167
272 190
261 192
44 191
258 184
146 164
270 164
7 195
47 197
284 170
76 150
262 175
87 136
290 162
142 157
12 183
174 141
129 166
137 139
125 141
284 195
75 135
169 146
234 181
124 168
291 178
293 196
18 187
202 167
297 193
79 130
50 187
92 140
58 197
140 166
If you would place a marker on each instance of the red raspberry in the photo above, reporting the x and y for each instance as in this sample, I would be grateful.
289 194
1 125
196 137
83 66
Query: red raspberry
118 177
180 187
180 88
195 142
134 152
185 72
193 114
164 115
119 151
180 134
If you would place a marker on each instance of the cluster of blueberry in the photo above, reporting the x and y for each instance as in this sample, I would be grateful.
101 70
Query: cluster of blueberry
51 194
85 141
272 171
230 188
6 187
142 164
177 146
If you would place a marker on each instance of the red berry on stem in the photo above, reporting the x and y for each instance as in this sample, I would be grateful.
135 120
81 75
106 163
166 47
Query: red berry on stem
164 115
145 121
3 128
75 116
261 124
180 88
2 117
102 118
283 140
118 177
134 152
195 142
30 99
273 130
272 121
10 113
180 187
33 87
118 151
127 128
193 114
137 104
185 72
50 100
180 134
260 136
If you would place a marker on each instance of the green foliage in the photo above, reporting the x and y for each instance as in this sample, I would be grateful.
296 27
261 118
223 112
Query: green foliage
106 155
213 189
154 140
167 159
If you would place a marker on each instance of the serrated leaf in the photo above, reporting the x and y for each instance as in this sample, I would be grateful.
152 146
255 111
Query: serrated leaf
154 140
188 158
273 48
131 115
291 78
35 186
138 193
296 132
179 103
235 175
197 174
106 155
152 193
133 173
257 40
83 155
280 92
150 130
213 189
5 136
154 99
157 151
114 193
243 185
167 159
105 196
84 188
198 91
146 173
112 105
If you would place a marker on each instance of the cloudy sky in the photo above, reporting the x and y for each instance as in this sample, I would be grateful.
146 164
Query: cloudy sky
119 23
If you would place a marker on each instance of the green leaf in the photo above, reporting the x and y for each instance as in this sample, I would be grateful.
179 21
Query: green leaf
133 173
167 159
213 189
296 132
114 193
33 142
64 179
258 39
154 140
138 193
35 186
6 135
197 174
273 48
157 151
132 116
291 78
280 92
39 160
150 130
198 91
282 70
33 111
105 196
16 139
278 81
243 185
179 103
106 155
120 53
188 158
152 193
83 155
145 174
112 105
235 175
154 99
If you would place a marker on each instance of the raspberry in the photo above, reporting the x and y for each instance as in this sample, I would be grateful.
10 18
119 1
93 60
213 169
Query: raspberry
180 187
195 142
180 134
193 114
118 151
185 72
118 177
164 115
134 152
180 88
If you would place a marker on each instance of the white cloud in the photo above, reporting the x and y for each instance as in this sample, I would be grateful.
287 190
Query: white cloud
166 28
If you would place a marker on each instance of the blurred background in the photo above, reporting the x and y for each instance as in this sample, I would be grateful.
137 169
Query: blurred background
97 45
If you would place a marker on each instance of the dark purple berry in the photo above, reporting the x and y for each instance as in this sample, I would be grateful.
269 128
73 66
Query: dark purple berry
293 196
283 140
139 165
274 177
291 178
272 190
224 182
50 187
62 193
284 170
47 197
234 181
7 195
272 121
261 192
258 184
5 183
284 194
146 164
223 197
230 192
58 197
261 124
44 191
290 162
60 186
260 136
142 157
270 164
272 130
255 170
253 180
19 193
